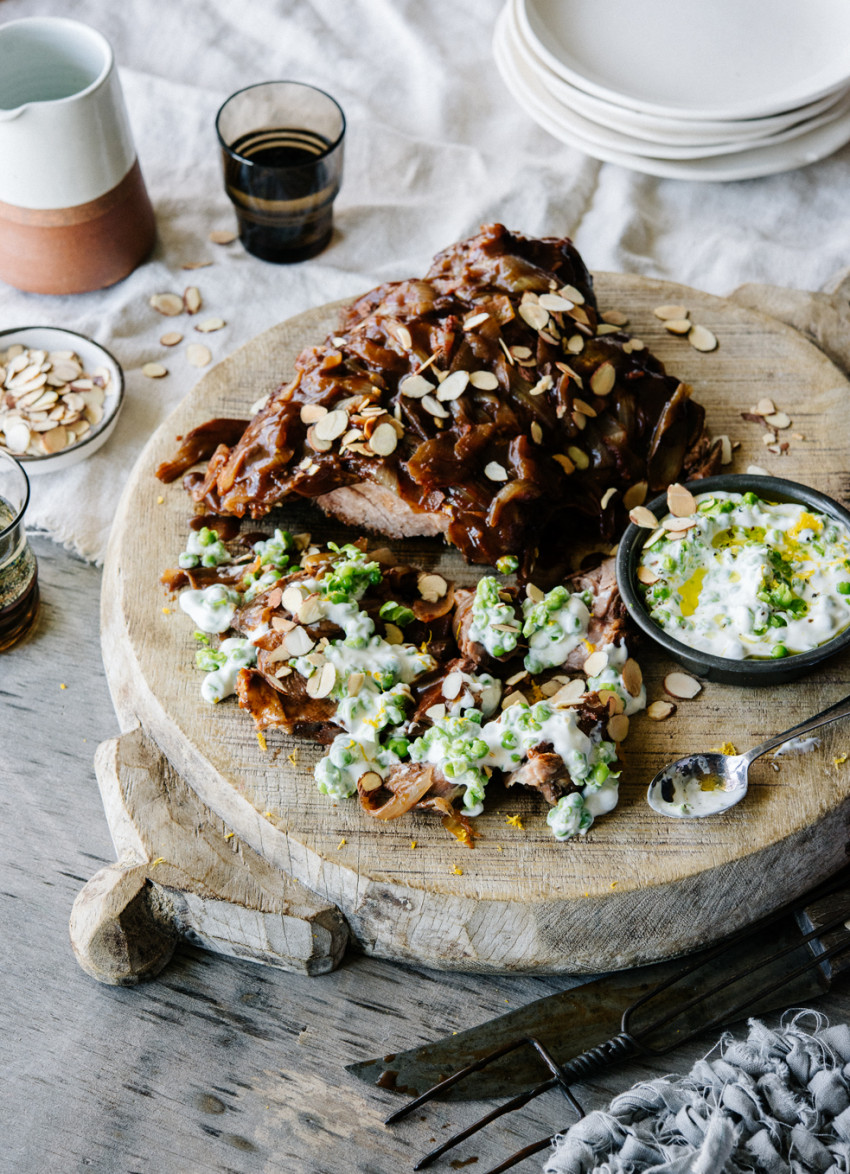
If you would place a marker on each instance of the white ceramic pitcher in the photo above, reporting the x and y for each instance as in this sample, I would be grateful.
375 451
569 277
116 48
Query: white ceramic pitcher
74 212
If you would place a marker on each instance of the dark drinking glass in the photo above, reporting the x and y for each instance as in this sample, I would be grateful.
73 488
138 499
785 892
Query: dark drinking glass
282 146
18 570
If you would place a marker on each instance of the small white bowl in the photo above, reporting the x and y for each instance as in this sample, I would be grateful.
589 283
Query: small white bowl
92 354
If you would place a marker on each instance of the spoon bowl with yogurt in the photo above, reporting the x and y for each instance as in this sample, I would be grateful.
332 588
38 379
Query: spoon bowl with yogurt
699 785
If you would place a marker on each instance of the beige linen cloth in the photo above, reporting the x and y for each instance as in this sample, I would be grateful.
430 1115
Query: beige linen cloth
435 147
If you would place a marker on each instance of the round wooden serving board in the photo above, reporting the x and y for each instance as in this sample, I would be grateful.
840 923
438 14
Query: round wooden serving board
638 887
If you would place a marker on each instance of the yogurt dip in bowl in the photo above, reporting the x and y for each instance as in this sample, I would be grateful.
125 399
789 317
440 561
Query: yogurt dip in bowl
744 579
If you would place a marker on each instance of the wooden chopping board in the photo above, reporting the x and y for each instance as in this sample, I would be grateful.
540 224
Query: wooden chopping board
637 887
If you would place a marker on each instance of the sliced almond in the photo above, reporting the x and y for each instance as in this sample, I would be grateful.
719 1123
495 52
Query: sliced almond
484 380
192 299
434 407
403 335
635 495
355 683
678 326
493 471
605 328
542 384
282 624
670 313
641 516
579 420
298 642
678 525
572 293
615 318
632 677
169 304
383 440
322 682
618 727
198 355
370 781
171 338
659 710
585 409
517 698
612 701
210 324
18 435
569 694
436 712
94 413
607 496
311 413
196 265
647 576
536 432
603 379
292 599
680 501
701 338
575 344
154 370
596 663
331 425
476 320
432 587
222 236
778 420
765 407
533 592
534 315
725 450
555 302
416 386
682 686
452 685
579 458
54 440
453 386
311 611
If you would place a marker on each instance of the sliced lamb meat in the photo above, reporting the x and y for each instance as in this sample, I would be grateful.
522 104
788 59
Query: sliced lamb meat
451 404
285 705
608 616
543 771
407 786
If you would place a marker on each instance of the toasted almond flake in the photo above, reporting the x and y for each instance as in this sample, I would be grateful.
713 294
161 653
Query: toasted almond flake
436 712
671 313
171 338
603 379
198 355
292 599
674 525
615 318
196 265
452 685
579 458
517 698
517 677
393 634
604 329
222 236
192 299
210 324
370 781
415 386
383 440
258 405
678 326
725 450
681 686
331 425
534 593
403 335
54 440
536 432
154 370
765 407
16 363
632 677
312 610
612 701
453 385
355 683
618 727
778 420
475 320
572 294
637 344
493 471
534 315
542 384
768 438
641 516
680 501
47 399
579 420
322 683
169 304
311 413
521 352
484 380
280 673
606 497
658 711
298 642
555 303
94 413
434 407
596 663
432 587
645 575
635 494
585 409
575 344
568 694
282 624
18 435
701 338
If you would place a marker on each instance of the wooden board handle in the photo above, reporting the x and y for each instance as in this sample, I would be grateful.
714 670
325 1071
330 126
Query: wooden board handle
823 911
182 874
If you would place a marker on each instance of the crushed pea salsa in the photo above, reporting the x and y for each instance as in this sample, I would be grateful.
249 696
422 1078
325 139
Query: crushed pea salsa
750 578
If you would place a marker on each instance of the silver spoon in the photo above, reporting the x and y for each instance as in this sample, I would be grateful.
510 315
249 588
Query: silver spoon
706 784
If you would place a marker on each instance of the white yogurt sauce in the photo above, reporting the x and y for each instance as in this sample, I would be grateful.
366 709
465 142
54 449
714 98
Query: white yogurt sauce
221 682
751 578
211 609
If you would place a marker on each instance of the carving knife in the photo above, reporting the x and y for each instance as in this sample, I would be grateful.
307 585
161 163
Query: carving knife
574 1020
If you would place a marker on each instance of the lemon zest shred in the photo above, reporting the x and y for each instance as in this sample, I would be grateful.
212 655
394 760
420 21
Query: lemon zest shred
515 821
261 738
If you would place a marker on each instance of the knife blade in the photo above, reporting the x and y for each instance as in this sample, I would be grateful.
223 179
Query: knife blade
572 1021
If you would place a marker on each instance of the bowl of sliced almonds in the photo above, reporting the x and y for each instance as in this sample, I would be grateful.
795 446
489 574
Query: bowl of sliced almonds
60 395
743 578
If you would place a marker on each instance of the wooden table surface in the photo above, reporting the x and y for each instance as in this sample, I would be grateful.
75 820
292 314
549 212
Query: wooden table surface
215 1066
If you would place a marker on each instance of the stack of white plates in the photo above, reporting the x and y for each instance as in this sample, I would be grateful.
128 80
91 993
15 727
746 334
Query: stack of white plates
731 89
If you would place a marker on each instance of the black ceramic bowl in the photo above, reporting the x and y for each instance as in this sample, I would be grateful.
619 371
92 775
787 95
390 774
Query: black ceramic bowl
704 664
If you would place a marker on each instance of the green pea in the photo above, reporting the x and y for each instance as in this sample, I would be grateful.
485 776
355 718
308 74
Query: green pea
779 651
844 588
750 498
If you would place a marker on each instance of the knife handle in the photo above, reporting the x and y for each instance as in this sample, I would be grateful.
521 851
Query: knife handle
825 911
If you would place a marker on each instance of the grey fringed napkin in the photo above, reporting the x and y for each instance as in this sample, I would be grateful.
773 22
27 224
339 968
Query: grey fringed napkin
778 1102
